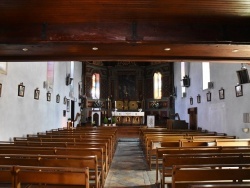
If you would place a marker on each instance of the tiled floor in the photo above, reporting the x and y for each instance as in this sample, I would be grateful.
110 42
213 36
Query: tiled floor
129 168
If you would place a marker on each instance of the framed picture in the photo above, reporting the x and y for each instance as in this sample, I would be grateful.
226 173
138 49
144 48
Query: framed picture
0 89
239 90
221 94
3 67
21 90
57 98
191 100
68 105
198 99
48 96
209 96
127 85
36 94
65 100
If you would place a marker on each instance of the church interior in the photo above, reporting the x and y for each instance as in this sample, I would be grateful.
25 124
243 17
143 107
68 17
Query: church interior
109 91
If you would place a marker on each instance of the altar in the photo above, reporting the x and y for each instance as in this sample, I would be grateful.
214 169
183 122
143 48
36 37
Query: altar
128 118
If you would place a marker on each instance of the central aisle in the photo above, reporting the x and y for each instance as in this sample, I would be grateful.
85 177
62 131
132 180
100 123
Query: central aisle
129 169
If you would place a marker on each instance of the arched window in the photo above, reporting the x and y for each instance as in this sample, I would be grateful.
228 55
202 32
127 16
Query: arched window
205 74
183 73
95 86
157 85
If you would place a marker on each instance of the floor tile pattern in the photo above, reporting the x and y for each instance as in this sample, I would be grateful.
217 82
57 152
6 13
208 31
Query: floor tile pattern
129 168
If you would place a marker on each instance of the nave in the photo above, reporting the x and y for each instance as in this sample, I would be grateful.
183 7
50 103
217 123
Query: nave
129 168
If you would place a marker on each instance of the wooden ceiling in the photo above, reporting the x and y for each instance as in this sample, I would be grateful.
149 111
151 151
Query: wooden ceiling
127 30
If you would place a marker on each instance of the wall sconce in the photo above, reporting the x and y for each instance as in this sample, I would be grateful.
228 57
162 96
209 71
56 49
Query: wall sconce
191 100
208 96
198 99
21 90
245 130
185 82
48 96
239 90
36 94
68 80
57 98
222 93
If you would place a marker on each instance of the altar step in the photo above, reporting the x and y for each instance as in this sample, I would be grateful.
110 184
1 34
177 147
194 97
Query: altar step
128 131
128 140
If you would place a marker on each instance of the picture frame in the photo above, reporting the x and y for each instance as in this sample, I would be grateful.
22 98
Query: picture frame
221 94
36 94
68 105
0 89
3 67
198 99
49 96
65 100
191 100
239 90
57 98
209 96
21 90
126 85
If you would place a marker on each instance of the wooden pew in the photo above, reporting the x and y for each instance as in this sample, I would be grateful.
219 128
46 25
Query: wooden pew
51 176
194 150
158 144
62 151
203 158
185 139
184 175
67 139
148 145
93 132
86 140
221 185
232 142
90 144
6 176
56 161
188 142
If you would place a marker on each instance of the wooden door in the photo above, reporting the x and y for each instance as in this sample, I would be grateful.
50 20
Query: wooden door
193 118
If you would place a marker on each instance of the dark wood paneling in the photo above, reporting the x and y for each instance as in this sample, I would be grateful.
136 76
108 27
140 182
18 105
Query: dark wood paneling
136 30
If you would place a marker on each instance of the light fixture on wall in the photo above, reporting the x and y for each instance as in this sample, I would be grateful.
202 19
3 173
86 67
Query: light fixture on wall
198 98
208 96
21 90
57 98
243 76
185 82
246 119
36 93
191 100
48 96
68 80
221 93
245 130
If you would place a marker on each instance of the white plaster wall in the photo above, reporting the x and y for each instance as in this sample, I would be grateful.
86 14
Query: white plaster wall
20 116
218 115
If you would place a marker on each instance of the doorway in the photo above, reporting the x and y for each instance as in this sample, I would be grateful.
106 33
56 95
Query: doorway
193 118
